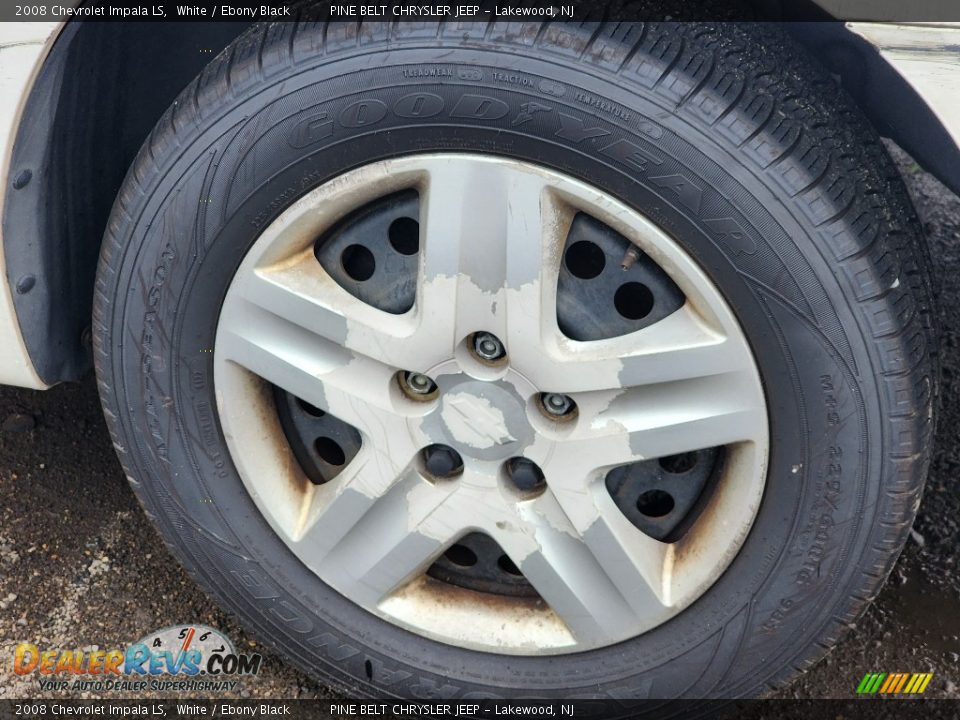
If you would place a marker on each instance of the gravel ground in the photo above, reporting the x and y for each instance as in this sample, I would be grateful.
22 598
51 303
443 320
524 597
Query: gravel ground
80 566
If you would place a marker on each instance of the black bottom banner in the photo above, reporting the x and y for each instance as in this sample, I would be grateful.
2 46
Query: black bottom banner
866 709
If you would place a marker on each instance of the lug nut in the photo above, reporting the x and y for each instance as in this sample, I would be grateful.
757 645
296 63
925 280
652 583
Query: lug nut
417 386
420 384
488 346
557 404
442 461
525 474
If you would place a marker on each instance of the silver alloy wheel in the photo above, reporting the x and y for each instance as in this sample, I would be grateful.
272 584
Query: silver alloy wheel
492 232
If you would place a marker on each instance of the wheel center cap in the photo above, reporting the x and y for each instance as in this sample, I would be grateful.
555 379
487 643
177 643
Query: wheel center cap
473 420
486 420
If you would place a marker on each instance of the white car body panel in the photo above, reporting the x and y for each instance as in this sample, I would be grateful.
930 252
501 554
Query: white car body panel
923 54
926 57
23 47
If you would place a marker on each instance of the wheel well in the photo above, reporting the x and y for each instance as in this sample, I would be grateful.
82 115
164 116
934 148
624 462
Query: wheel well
891 104
99 93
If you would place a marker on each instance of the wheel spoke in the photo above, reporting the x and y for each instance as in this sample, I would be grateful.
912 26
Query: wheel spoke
587 581
303 294
489 236
354 389
653 421
334 508
394 538
678 347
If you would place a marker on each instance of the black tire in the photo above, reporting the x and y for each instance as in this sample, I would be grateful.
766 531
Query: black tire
764 173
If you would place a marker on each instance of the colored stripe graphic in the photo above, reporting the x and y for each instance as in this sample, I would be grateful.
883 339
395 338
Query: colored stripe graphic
915 680
870 683
891 681
894 683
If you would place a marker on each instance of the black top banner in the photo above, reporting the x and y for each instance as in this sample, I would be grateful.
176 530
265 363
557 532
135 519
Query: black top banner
482 10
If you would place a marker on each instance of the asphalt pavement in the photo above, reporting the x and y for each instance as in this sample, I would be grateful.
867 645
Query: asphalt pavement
81 567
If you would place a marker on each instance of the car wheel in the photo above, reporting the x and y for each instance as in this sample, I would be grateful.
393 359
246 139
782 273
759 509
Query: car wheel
521 359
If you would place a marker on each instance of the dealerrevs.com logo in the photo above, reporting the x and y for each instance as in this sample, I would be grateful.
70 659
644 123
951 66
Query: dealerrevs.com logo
182 658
